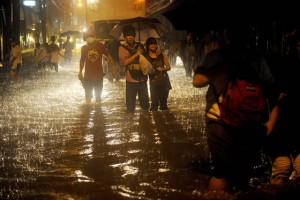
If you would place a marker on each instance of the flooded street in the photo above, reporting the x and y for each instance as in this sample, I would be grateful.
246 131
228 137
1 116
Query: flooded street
53 146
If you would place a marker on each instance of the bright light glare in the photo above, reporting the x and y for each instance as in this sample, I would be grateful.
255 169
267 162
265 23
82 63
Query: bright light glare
91 1
29 3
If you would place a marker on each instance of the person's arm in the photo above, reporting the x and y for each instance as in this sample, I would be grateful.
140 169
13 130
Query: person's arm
113 63
13 58
270 124
15 53
132 58
81 64
167 64
200 80
210 68
125 57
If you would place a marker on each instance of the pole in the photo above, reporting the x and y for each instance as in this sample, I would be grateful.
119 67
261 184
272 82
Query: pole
86 14
16 20
43 21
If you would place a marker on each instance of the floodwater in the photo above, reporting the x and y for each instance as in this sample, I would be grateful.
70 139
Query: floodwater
53 146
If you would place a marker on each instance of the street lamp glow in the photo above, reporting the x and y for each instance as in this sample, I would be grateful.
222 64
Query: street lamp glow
79 3
91 1
28 3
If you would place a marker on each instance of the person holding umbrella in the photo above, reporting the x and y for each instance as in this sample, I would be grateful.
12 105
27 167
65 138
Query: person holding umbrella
136 81
68 46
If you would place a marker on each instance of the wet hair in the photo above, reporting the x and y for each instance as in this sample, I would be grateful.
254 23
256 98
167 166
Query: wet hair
52 38
128 30
149 41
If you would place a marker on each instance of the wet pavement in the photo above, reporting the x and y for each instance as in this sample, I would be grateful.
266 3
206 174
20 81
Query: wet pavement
53 146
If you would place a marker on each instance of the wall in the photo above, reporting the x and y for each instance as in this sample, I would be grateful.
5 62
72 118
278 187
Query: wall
115 9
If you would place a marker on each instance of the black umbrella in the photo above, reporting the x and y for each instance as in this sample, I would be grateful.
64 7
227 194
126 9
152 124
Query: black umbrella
71 33
103 27
144 27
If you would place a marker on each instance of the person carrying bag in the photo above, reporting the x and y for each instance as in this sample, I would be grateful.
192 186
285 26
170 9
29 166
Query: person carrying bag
159 79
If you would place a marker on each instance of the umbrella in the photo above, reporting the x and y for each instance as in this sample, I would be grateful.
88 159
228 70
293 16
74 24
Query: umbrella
144 27
71 33
103 27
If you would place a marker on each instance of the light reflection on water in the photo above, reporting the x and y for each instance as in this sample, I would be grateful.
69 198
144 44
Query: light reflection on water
54 146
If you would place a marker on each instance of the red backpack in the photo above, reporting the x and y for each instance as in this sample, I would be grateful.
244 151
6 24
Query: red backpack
244 100
243 103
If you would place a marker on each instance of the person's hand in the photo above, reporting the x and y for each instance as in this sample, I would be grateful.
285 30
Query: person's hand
158 51
270 124
80 76
159 69
281 96
115 70
140 50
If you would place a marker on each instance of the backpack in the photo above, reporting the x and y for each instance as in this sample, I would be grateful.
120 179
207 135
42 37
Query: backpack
135 74
133 50
244 100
